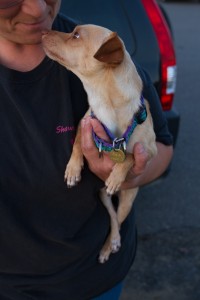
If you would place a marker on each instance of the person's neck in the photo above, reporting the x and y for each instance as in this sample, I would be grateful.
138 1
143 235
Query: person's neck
22 58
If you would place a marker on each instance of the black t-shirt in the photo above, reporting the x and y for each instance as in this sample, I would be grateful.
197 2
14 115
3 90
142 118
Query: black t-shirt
50 236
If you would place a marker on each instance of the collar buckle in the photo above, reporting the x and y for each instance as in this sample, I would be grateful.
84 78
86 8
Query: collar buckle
118 143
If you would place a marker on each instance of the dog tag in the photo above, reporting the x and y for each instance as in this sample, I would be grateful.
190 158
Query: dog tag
117 155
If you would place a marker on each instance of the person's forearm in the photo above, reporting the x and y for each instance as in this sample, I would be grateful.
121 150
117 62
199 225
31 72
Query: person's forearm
102 167
154 168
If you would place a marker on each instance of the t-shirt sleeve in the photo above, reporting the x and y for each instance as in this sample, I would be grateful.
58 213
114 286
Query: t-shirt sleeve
159 120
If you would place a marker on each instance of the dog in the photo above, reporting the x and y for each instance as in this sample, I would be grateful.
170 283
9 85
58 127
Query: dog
99 58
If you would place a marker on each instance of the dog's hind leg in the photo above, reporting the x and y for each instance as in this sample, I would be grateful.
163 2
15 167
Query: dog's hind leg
113 241
126 199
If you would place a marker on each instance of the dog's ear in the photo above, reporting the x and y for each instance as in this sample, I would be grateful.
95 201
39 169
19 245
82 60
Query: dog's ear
111 51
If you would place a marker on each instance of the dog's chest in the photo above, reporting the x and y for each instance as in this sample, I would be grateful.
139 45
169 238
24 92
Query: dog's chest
115 119
116 122
109 119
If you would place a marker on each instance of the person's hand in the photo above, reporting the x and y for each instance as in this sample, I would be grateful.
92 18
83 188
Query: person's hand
103 166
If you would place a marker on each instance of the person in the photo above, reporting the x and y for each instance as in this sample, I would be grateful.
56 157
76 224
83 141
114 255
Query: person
50 235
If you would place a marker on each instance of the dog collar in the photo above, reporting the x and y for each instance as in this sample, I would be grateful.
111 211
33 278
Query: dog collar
118 146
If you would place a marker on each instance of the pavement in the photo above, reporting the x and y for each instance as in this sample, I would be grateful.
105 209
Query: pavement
167 267
167 264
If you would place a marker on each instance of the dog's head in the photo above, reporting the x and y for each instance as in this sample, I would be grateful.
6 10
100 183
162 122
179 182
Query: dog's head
87 49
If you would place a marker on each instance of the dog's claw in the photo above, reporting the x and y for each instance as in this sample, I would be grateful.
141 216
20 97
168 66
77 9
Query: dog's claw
115 245
111 246
102 259
111 190
72 181
112 186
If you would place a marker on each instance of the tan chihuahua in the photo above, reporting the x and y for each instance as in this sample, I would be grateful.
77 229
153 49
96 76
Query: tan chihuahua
99 58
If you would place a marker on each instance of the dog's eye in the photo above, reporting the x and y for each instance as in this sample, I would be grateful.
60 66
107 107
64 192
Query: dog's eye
76 35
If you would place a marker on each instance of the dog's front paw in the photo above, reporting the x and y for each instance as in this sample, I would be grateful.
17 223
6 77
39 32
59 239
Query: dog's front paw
72 174
113 184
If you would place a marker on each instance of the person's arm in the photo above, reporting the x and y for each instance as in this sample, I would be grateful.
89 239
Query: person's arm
143 172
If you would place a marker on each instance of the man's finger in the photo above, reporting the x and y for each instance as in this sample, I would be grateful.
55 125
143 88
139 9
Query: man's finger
87 125
86 135
99 130
101 167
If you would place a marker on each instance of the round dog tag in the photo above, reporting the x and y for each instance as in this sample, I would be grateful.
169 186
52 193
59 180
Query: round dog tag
117 155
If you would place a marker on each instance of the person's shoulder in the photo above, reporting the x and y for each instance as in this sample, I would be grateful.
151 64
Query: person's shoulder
143 74
64 23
